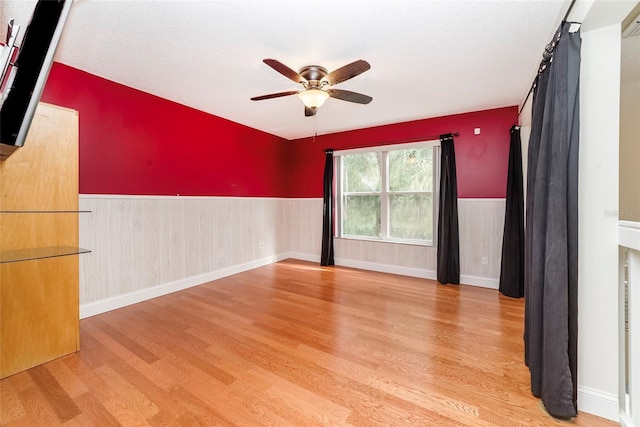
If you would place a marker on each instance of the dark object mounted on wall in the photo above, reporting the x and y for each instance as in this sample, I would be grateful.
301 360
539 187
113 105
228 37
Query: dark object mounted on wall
25 71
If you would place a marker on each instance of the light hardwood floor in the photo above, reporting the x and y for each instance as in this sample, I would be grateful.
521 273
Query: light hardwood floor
293 344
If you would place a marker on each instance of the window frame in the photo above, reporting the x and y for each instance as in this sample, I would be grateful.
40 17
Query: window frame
385 192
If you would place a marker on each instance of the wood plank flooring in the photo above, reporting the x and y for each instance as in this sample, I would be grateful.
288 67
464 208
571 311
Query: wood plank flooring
293 344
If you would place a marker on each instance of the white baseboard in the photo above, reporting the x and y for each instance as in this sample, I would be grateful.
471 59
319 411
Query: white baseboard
113 303
303 256
484 282
598 403
387 268
626 421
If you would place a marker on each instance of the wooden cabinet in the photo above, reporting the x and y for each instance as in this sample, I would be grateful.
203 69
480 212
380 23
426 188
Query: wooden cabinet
39 306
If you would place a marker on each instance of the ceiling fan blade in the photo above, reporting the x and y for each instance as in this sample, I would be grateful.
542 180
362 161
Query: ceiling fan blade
347 95
284 70
309 111
275 95
346 72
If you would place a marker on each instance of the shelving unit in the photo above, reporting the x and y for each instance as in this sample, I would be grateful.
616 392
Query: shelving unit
39 302
33 254
29 254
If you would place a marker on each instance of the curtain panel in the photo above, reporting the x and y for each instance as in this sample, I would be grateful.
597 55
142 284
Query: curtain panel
326 255
551 246
448 251
512 265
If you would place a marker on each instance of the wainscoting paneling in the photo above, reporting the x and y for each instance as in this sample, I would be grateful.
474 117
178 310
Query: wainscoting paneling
145 246
481 223
304 228
481 227
400 255
142 242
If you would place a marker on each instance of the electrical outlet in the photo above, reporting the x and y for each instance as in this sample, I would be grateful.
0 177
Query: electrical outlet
221 253
485 260
260 245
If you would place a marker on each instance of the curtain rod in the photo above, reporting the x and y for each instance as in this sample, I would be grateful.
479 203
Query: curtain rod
399 141
533 84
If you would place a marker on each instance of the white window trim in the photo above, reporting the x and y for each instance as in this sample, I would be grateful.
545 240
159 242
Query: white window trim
384 194
378 148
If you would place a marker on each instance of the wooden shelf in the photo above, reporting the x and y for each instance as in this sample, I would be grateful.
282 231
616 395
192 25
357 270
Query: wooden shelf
18 255
29 254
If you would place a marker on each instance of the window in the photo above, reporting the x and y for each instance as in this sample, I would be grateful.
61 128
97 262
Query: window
388 193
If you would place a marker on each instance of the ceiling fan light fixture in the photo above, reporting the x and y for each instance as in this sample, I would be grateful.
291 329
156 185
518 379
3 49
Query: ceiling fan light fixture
313 98
317 84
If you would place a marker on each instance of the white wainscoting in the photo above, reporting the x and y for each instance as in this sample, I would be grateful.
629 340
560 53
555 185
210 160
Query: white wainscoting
141 243
304 228
147 246
481 223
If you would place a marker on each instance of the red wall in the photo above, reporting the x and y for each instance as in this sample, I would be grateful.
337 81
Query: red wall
481 160
135 143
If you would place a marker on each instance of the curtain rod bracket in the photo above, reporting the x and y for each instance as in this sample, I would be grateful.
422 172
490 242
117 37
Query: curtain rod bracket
548 51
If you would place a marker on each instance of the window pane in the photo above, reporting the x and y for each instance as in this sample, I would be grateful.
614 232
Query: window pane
411 169
410 216
362 172
361 216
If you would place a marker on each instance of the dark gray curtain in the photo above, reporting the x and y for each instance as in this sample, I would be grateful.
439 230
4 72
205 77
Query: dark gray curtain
512 266
326 256
551 247
448 251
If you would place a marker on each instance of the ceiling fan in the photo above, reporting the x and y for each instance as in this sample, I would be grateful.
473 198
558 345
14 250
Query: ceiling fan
317 82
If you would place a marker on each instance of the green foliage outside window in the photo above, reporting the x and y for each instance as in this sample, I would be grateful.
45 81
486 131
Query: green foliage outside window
410 216
411 169
362 216
408 174
362 172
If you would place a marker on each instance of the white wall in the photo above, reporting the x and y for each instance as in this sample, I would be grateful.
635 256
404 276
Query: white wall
598 346
598 244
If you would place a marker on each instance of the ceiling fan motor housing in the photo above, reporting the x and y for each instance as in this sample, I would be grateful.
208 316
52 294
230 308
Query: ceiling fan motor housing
313 74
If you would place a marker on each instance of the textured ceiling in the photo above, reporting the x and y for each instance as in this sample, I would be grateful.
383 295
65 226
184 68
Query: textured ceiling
428 58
